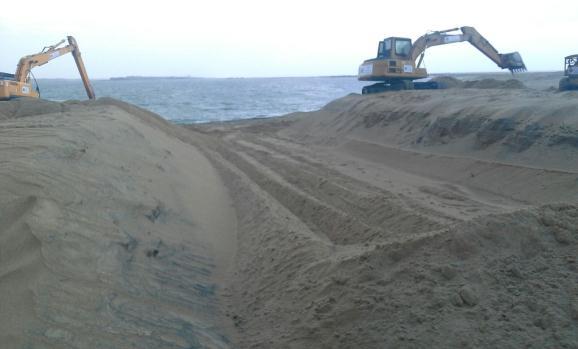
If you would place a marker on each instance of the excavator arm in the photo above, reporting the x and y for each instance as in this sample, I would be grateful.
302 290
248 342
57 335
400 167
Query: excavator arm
49 53
512 61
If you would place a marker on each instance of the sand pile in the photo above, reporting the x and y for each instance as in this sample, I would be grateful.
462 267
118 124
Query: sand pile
354 233
31 107
446 82
113 233
533 80
493 83
521 126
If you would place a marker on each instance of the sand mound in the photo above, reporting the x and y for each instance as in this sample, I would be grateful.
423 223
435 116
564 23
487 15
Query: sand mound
533 80
521 126
493 83
113 233
446 82
29 107
394 220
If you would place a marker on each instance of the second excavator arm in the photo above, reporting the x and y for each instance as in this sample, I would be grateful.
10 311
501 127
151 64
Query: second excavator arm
49 53
512 61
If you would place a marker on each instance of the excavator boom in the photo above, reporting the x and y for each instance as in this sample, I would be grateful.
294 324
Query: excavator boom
512 61
17 85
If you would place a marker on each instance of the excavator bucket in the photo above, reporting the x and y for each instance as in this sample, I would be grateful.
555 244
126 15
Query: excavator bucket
513 61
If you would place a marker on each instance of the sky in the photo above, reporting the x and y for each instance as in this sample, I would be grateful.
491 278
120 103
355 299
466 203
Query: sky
258 38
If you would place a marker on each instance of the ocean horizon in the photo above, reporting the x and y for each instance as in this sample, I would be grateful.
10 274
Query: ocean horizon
198 100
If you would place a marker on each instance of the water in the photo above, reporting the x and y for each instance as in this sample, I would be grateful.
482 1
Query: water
194 100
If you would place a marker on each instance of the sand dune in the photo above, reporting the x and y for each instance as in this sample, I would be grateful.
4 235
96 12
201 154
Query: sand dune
440 219
113 232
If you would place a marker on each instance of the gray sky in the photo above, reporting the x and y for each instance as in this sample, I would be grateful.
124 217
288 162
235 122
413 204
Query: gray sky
225 38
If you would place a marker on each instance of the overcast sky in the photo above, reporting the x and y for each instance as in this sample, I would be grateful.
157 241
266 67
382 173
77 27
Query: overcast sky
248 38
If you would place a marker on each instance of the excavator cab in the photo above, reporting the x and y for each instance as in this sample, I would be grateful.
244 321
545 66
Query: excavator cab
571 66
570 79
394 48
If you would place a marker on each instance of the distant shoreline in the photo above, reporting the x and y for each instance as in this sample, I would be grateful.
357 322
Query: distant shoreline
121 78
136 77
226 78
151 77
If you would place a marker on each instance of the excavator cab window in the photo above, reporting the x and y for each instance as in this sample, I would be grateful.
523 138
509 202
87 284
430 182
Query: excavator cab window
384 50
6 76
402 47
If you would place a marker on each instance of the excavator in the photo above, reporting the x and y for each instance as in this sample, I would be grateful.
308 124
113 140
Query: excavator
570 79
395 66
19 85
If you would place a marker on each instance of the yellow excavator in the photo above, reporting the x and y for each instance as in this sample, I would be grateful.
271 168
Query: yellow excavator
398 62
18 85
570 79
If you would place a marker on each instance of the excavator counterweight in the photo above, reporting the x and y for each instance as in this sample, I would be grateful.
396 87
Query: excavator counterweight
398 61
18 85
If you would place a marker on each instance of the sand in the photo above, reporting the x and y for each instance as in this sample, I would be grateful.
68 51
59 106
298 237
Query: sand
400 220
113 232
439 219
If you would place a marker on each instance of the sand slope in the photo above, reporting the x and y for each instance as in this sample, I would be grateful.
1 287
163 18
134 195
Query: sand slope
516 126
113 233
406 220
439 219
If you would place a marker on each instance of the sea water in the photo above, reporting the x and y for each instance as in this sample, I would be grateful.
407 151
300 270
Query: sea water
196 100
